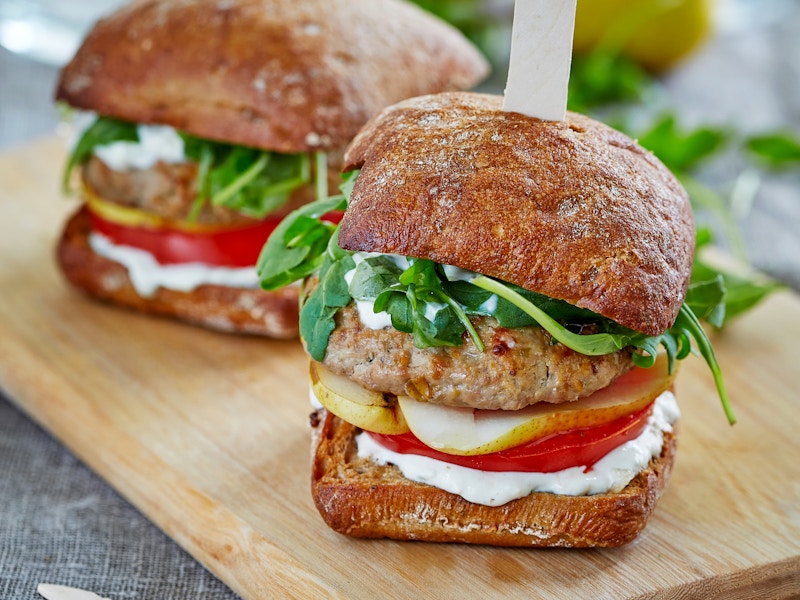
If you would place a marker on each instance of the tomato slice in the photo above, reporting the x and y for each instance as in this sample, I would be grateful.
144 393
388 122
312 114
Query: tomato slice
576 448
229 247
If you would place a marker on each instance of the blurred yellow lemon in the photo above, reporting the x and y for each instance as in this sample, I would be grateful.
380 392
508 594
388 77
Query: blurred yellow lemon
655 33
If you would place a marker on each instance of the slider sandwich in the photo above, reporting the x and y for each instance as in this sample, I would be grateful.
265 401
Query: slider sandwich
206 122
494 328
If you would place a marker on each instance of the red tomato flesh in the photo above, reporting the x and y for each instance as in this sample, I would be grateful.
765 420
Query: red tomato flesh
576 448
231 247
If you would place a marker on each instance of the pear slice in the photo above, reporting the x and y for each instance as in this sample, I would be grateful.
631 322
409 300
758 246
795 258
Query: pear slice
363 408
468 431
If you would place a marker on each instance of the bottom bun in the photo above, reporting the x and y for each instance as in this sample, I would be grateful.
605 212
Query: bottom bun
358 497
222 308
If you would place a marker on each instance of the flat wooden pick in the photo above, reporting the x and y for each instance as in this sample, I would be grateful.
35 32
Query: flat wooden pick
541 55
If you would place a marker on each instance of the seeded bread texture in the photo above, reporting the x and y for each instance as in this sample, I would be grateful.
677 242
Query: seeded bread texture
573 210
227 309
281 75
361 498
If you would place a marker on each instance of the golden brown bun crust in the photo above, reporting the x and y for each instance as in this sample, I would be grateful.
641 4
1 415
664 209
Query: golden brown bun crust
282 75
360 498
574 210
234 310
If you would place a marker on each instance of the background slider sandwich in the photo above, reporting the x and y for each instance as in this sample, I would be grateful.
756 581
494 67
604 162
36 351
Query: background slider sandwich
209 121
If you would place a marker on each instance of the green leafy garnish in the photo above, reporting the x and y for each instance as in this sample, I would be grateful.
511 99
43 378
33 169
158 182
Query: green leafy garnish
251 181
679 150
601 78
776 150
707 298
591 345
687 323
104 130
742 291
331 294
675 340
297 247
405 296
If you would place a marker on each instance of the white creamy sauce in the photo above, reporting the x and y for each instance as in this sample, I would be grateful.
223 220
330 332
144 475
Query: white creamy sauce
147 274
381 320
611 473
458 274
156 143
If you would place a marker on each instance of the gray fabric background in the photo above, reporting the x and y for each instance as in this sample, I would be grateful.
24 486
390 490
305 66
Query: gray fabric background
59 523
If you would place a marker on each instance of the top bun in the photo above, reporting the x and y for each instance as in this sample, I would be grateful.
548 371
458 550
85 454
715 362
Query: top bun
280 75
571 209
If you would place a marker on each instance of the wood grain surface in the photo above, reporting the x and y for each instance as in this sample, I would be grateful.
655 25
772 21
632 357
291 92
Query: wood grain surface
207 435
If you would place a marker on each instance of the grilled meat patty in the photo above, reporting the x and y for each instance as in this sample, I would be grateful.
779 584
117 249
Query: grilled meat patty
519 366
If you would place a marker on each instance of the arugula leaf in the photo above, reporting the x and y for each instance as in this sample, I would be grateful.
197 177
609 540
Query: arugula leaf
420 284
296 248
688 323
707 300
591 345
741 290
605 77
779 149
348 183
319 309
103 131
675 340
251 181
374 275
399 310
206 159
681 151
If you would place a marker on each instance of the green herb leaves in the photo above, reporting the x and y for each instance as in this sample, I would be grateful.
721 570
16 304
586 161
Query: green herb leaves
675 340
416 300
591 345
296 248
298 245
779 149
733 293
250 181
331 294
678 150
103 131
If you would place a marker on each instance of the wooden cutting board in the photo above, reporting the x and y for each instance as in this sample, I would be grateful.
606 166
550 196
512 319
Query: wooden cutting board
207 435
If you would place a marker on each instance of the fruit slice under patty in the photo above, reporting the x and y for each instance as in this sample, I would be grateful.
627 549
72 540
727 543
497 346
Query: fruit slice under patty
349 401
467 431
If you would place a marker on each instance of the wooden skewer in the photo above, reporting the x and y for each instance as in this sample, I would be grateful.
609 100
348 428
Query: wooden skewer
541 55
